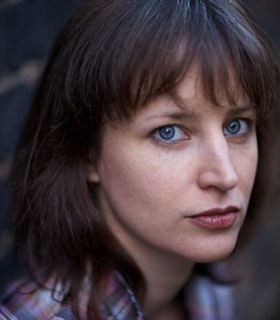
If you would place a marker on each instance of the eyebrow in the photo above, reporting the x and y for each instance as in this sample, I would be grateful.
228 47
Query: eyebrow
177 115
181 110
233 110
241 109
185 112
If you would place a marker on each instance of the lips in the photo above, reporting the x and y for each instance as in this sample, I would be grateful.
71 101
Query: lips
216 218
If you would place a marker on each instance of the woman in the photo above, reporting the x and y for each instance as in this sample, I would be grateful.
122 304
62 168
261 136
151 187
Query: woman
135 169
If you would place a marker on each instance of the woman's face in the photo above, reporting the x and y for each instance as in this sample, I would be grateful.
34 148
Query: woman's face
175 180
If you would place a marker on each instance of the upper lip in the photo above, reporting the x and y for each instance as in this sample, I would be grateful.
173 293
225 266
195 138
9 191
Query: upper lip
217 211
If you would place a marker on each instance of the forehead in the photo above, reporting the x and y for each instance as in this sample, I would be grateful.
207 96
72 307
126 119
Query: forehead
189 101
222 90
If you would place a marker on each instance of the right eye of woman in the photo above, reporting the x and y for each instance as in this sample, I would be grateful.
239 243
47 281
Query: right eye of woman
169 134
237 127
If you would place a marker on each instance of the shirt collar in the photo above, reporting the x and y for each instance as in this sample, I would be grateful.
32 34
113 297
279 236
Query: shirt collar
204 299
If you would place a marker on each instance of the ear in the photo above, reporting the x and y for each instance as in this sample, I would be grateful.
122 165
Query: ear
92 173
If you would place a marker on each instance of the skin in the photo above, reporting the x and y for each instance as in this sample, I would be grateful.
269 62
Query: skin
150 186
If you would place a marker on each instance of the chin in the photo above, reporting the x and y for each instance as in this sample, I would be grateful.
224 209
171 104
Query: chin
214 257
216 253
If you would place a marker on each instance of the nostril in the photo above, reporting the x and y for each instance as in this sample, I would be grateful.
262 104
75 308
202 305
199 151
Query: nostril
210 180
220 175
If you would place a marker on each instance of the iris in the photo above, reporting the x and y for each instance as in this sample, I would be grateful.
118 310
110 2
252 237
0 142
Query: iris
233 127
167 132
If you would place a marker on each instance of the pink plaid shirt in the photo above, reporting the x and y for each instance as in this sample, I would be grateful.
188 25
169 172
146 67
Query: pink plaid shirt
204 300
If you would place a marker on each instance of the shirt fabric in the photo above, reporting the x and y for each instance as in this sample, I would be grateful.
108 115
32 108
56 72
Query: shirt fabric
204 300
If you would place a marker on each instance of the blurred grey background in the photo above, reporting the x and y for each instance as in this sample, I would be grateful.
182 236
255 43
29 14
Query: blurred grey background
27 29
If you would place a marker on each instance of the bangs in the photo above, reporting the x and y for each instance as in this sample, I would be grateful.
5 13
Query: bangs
144 48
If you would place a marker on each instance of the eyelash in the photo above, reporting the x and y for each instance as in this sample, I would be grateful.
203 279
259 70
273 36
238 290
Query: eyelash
156 134
249 123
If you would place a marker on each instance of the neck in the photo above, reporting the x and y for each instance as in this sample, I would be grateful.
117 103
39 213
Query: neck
164 282
165 275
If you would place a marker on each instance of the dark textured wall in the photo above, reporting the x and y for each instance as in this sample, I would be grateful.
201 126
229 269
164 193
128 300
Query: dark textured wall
259 292
27 28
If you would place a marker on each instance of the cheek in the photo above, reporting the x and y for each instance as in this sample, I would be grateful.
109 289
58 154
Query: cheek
133 176
132 196
247 164
143 183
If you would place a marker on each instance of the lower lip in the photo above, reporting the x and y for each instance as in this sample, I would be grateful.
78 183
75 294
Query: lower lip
214 222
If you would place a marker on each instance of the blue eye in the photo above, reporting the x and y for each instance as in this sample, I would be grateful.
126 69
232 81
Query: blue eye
166 133
236 127
169 133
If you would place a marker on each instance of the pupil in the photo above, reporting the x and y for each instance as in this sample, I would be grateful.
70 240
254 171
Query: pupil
233 127
167 133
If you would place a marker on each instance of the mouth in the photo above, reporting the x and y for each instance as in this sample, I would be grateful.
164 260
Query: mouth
216 218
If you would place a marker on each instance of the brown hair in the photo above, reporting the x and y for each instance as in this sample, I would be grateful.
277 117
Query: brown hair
110 59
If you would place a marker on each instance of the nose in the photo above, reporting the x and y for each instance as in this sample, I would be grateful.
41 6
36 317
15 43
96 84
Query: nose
216 167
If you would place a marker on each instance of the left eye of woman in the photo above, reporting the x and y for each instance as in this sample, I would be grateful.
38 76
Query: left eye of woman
169 133
236 127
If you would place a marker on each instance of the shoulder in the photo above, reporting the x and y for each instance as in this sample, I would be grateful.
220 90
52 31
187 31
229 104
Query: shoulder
25 301
207 299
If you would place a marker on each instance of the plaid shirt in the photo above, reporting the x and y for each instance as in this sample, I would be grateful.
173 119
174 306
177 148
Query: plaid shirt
204 300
